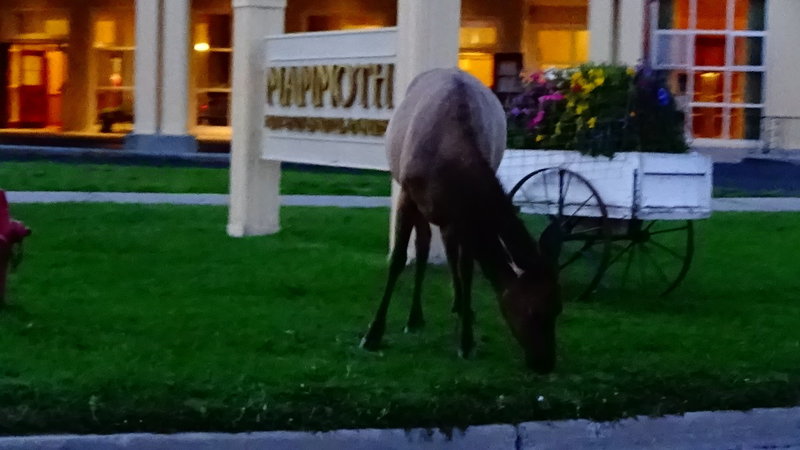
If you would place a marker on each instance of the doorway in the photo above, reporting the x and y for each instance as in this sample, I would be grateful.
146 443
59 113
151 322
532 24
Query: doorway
36 77
33 89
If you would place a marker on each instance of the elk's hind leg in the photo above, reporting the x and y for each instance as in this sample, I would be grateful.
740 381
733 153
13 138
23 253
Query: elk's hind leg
404 224
423 245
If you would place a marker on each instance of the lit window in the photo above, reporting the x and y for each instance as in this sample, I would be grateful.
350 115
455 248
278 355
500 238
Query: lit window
481 65
556 35
713 51
477 37
562 48
211 69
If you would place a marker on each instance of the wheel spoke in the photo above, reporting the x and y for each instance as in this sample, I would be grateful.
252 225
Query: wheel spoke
655 265
546 190
573 218
572 259
667 249
620 254
642 274
561 193
627 267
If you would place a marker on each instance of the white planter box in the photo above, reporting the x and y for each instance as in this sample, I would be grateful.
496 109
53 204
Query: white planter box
632 185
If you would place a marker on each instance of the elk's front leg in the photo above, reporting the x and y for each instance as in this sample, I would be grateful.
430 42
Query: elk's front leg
451 248
465 269
423 245
403 227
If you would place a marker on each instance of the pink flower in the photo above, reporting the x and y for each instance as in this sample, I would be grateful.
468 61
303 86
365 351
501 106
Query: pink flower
554 97
536 120
538 78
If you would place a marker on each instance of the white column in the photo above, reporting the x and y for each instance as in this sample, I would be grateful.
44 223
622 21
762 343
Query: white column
255 184
782 108
175 68
427 39
630 45
147 62
601 31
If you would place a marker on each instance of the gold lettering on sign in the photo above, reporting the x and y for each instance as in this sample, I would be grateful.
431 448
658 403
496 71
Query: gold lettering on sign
287 85
322 77
383 85
358 127
369 85
274 82
337 73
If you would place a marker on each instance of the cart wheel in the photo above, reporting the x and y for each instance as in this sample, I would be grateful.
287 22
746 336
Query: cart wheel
650 257
573 221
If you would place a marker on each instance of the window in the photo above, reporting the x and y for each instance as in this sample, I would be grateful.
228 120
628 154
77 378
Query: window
40 24
114 49
213 52
556 35
477 42
713 51
562 48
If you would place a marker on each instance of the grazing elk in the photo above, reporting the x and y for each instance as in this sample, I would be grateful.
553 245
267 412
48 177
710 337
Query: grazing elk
444 145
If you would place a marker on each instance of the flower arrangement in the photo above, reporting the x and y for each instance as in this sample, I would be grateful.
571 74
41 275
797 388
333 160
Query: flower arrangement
597 109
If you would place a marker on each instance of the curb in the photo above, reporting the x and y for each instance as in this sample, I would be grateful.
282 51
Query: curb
756 429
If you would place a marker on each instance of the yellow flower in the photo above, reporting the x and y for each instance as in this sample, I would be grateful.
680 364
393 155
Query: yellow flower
539 138
589 87
577 76
595 73
571 104
592 122
581 108
599 81
630 71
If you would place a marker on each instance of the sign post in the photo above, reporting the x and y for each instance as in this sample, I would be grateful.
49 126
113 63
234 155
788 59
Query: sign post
428 33
254 182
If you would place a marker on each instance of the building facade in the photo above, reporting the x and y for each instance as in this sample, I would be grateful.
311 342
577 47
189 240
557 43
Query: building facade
157 73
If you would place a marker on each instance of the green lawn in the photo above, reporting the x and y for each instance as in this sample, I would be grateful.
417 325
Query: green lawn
148 318
50 176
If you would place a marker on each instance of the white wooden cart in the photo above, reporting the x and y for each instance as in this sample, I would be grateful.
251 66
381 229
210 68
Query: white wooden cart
623 222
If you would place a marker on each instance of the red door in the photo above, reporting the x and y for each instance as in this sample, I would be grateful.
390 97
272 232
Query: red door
33 89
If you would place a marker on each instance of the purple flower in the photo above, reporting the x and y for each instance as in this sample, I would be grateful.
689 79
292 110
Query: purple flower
516 112
663 97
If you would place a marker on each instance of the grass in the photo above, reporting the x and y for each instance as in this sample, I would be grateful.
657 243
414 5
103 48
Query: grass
52 176
49 176
148 318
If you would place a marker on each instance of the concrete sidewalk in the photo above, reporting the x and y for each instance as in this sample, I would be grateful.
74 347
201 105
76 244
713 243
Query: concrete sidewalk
719 204
756 429
341 201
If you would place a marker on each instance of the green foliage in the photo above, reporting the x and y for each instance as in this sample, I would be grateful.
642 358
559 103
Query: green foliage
149 318
598 109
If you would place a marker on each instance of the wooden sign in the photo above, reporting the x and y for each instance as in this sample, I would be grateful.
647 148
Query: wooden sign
329 97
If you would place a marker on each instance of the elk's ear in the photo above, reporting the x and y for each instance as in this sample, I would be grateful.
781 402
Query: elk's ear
550 243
